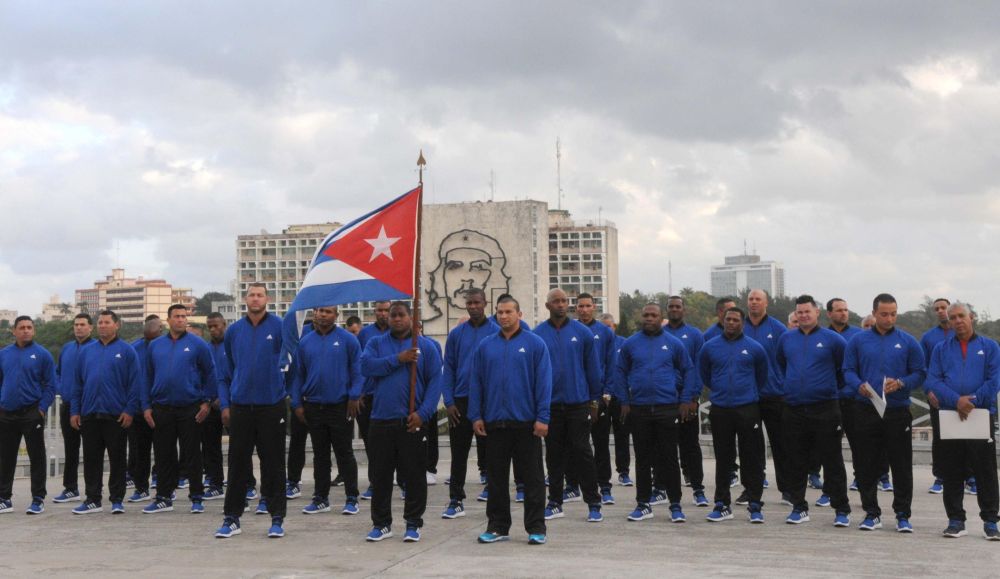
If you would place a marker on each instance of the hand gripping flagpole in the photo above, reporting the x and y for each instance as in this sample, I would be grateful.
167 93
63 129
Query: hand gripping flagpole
415 329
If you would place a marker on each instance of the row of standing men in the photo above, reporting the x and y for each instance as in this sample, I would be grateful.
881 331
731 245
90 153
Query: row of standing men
565 382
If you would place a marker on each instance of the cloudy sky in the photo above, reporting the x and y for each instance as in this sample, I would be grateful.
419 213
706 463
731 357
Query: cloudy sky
856 142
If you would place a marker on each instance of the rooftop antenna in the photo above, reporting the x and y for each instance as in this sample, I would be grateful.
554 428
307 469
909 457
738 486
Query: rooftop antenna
493 184
559 191
599 211
745 246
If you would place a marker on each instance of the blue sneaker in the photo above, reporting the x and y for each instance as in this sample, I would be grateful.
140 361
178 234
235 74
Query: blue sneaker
6 506
318 505
756 516
625 480
955 529
139 496
606 497
572 495
797 517
854 485
519 495
378 533
903 526
212 494
36 507
720 513
455 510
734 479
117 508
292 490
367 495
642 512
990 532
700 500
412 535
482 478
230 526
129 482
67 496
766 484
85 508
159 506
970 486
490 537
884 484
483 496
276 531
659 497
553 511
815 482
844 520
594 515
536 539
936 488
261 507
823 501
351 506
251 493
676 514
870 523
183 483
197 507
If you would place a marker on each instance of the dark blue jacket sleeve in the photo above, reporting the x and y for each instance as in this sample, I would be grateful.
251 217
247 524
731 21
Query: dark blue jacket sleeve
48 383
432 385
476 380
448 377
916 368
852 366
761 367
705 366
692 385
592 367
986 395
372 365
298 371
227 379
543 385
206 366
133 382
354 370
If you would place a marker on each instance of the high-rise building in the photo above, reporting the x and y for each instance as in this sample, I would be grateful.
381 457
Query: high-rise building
132 298
583 258
8 316
743 272
55 310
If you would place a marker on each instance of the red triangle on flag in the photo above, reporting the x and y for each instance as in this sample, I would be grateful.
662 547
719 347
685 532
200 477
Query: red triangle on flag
385 245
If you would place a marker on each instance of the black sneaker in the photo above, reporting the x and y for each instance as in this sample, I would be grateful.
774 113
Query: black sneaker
338 481
743 499
955 529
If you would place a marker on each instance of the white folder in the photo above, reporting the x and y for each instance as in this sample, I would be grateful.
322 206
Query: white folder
975 427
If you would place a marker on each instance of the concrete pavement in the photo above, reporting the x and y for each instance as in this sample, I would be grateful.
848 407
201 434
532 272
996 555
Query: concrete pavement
58 543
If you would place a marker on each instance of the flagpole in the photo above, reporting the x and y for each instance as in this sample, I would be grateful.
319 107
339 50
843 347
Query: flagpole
415 329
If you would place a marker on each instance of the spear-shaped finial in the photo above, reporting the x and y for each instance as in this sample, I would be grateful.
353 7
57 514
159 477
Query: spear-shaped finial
420 163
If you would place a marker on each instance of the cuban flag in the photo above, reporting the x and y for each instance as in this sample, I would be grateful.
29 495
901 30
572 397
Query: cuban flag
370 258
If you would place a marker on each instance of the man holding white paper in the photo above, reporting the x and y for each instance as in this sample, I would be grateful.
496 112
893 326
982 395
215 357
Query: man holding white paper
964 375
883 366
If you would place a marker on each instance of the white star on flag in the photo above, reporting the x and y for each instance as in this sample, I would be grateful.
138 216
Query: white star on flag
382 245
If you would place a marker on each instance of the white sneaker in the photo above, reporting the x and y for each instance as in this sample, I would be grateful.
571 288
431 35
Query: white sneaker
432 478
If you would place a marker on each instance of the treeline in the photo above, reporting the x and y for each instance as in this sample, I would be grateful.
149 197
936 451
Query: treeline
700 312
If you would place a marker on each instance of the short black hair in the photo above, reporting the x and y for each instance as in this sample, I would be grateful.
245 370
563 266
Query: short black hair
830 302
90 321
403 305
743 315
216 316
676 298
509 299
945 300
149 317
353 320
171 309
114 316
20 319
476 291
883 299
583 296
721 303
806 299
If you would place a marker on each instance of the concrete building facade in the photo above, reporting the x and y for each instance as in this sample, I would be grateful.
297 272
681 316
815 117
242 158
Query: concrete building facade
56 310
741 272
132 298
583 258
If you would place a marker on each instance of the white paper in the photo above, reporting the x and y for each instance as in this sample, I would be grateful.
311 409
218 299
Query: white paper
976 427
877 401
